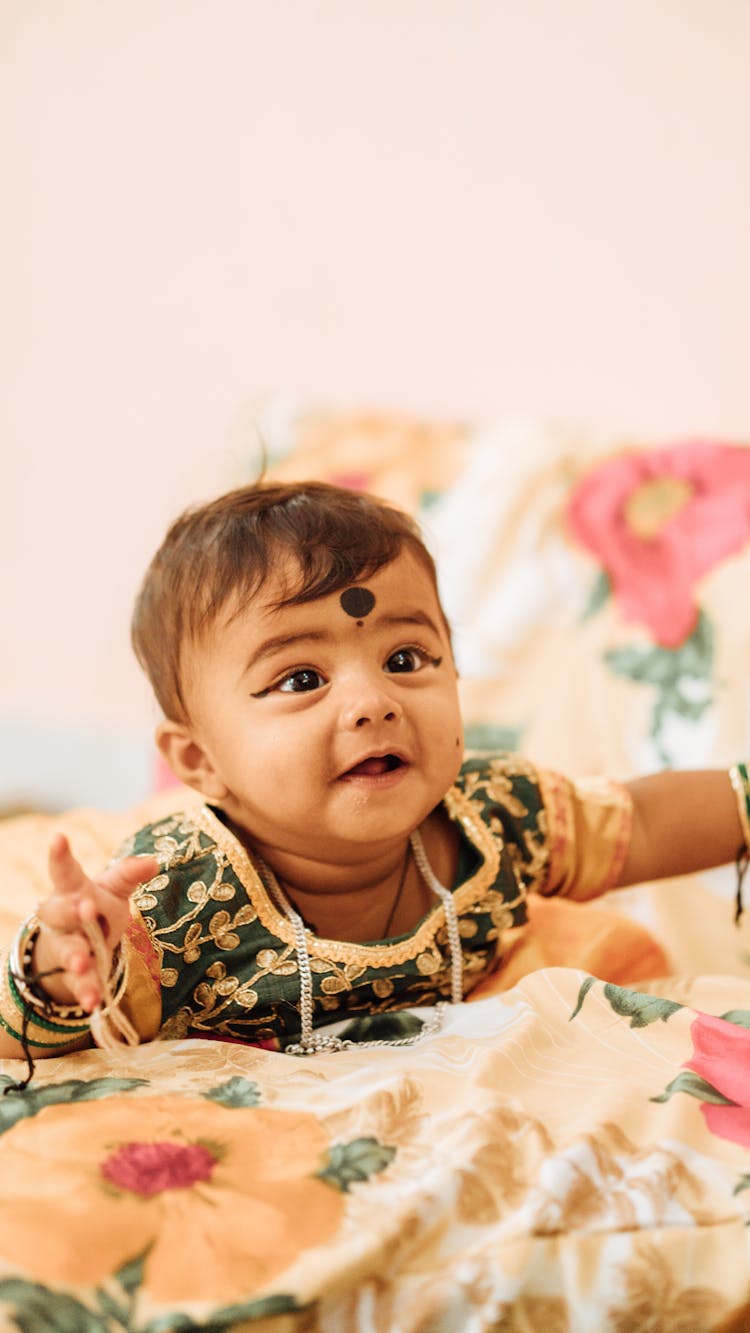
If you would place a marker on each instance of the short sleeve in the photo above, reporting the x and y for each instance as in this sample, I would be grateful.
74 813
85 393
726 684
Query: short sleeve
560 836
588 830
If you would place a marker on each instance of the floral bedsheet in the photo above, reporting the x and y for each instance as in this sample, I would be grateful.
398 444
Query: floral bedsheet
566 1156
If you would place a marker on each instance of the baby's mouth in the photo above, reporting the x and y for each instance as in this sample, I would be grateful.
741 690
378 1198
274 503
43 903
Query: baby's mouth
375 766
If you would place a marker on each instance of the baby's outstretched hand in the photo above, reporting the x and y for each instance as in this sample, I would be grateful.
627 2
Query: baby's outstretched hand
76 901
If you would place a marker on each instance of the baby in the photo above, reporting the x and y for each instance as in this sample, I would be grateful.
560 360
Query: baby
346 857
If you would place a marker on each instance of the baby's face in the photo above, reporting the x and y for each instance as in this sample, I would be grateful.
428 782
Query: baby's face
332 724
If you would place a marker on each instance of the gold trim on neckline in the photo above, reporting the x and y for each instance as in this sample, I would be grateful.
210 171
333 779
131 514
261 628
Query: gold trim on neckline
459 809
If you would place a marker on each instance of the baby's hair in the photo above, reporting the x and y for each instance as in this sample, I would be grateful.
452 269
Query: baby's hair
219 555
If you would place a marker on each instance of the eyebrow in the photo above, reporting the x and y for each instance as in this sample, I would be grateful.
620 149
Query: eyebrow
281 641
409 618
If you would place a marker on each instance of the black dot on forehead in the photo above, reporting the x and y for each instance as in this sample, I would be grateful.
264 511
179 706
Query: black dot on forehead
357 601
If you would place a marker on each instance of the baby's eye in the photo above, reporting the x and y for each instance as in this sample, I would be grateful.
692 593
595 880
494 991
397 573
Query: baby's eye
408 659
301 682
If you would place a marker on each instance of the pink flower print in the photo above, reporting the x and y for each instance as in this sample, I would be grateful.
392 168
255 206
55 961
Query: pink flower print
721 1059
151 1168
658 520
718 1075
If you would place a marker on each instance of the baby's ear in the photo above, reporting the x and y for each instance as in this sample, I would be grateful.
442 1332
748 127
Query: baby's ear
189 762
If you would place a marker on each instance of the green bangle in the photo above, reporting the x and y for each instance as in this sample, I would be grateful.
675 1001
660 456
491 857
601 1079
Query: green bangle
24 1024
740 780
45 1019
20 969
32 1017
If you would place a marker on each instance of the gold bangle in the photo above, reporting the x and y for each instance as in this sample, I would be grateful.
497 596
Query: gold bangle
28 1026
22 980
30 1014
21 958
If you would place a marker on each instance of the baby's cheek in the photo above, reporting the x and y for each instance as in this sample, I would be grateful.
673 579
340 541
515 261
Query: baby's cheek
452 755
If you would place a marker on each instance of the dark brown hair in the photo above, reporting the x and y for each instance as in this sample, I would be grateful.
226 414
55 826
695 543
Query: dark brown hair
225 551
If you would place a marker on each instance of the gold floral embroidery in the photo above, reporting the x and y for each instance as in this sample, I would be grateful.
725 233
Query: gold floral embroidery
428 964
500 789
510 784
148 898
383 987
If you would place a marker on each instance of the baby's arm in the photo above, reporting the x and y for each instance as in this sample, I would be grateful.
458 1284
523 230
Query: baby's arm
62 947
682 822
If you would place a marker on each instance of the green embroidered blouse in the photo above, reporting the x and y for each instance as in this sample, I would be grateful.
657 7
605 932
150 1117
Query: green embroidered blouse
222 957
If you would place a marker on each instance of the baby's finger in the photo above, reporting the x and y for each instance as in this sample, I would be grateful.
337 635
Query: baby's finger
82 976
124 876
59 914
66 967
74 955
83 982
66 874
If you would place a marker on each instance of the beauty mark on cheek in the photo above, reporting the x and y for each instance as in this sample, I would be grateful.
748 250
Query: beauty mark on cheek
357 602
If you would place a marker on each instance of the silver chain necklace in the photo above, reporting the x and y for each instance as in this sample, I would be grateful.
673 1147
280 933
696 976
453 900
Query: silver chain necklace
312 1042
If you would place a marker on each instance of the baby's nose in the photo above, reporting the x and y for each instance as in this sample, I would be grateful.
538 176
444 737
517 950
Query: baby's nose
362 721
370 706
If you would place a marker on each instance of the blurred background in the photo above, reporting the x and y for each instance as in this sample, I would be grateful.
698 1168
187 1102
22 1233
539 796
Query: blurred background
216 212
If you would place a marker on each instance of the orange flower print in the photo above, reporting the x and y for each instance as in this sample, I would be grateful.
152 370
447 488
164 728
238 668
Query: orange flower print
658 520
220 1199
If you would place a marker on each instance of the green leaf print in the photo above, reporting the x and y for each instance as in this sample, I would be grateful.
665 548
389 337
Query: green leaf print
230 1317
114 1314
680 677
601 590
350 1163
695 1086
639 1008
235 1092
130 1276
37 1309
583 992
40 1309
15 1105
740 1017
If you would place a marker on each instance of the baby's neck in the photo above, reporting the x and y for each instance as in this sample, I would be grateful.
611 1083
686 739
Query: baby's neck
373 898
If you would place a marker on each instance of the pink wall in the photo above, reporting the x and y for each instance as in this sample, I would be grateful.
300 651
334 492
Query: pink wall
459 207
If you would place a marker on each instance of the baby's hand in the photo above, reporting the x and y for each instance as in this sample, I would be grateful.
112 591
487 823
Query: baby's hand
75 901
